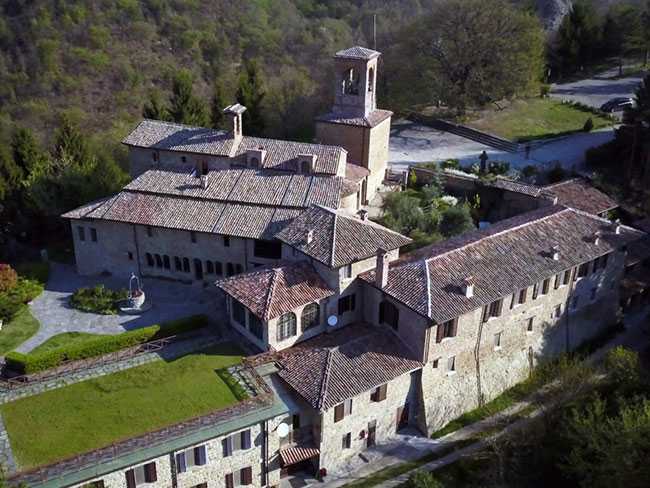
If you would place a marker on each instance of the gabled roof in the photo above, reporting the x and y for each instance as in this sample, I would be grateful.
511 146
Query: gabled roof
338 238
578 193
280 154
270 292
506 257
331 368
357 52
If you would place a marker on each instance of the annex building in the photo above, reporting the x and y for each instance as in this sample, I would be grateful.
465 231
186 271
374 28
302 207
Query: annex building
355 340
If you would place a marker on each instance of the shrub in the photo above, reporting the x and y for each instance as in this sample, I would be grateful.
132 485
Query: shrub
33 363
456 220
451 164
623 366
544 90
8 277
23 292
556 174
423 479
589 125
98 299
529 171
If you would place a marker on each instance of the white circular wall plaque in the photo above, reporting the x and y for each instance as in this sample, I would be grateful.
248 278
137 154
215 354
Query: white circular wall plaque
283 430
332 320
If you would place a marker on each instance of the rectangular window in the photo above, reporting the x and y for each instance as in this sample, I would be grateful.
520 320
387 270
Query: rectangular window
451 364
530 323
238 268
379 394
230 481
448 329
522 296
342 410
346 271
497 340
347 441
435 363
546 286
492 310
246 476
238 312
149 231
236 442
389 314
230 269
226 241
193 237
159 261
600 262
93 234
267 249
150 475
347 303
558 281
82 233
535 291
200 456
567 277
583 270
181 462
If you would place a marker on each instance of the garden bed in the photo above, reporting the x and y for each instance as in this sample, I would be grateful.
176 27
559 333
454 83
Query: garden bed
98 299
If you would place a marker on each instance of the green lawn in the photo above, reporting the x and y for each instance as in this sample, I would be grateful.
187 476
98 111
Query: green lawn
61 423
18 330
65 339
537 118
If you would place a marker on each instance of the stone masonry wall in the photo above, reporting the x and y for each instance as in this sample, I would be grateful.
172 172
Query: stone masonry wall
377 155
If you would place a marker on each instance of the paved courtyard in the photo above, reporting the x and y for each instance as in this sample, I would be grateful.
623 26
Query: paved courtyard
170 300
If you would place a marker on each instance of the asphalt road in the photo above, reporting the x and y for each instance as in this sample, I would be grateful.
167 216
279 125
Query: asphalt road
596 91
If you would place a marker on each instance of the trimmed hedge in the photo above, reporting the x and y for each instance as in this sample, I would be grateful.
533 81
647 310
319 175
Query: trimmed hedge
33 363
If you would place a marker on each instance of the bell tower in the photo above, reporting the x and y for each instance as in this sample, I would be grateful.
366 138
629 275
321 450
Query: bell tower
355 123
356 82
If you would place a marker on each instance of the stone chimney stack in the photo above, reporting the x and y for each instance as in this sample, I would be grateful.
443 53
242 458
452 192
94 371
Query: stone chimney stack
310 236
617 226
468 287
363 214
205 182
381 270
596 237
234 115
555 251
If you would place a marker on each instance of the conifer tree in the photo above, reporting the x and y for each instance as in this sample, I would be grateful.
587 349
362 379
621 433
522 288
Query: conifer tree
185 107
251 94
217 105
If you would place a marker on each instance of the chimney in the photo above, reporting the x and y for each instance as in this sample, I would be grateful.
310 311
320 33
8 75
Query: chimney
555 252
205 182
381 270
234 114
596 237
363 214
468 287
617 226
310 236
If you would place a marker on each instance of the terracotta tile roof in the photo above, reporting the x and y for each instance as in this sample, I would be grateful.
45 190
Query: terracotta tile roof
357 52
240 185
578 193
510 255
271 291
156 134
355 172
516 186
373 119
331 368
338 238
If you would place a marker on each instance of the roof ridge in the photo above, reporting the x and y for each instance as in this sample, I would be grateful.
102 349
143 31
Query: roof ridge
271 289
325 379
564 182
428 280
504 231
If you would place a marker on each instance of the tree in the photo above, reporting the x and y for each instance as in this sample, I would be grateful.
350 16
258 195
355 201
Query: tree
623 367
456 220
474 52
27 155
10 173
250 93
184 106
70 143
155 108
578 37
637 38
217 105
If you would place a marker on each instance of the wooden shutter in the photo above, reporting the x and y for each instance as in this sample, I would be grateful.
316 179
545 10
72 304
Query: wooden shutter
229 481
130 479
246 476
339 412
199 455
181 465
150 474
246 439
227 446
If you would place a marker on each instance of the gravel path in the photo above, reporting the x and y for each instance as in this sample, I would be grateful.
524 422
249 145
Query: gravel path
170 300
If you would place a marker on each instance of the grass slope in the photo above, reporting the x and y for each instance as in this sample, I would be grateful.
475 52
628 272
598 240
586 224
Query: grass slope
20 328
537 118
65 339
61 423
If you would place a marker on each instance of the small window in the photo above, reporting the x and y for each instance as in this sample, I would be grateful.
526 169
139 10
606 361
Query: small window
522 296
218 268
149 231
238 268
229 481
82 233
546 286
583 270
166 262
535 291
371 79
347 304
347 441
310 316
600 262
497 340
379 393
492 310
342 410
286 326
154 156
447 329
186 265
246 476
209 267
239 312
183 159
435 363
193 237
558 281
566 278
226 241
530 323
346 271
150 262
177 264
93 234
451 364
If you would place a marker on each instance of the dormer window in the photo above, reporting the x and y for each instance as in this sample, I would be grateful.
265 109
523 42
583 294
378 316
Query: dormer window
255 158
305 163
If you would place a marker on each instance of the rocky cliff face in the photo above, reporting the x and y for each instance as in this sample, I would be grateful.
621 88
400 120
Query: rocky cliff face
551 12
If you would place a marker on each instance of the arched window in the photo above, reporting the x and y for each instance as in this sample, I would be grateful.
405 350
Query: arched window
149 259
166 261
209 267
159 262
186 265
286 326
177 263
351 82
388 314
371 79
310 316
